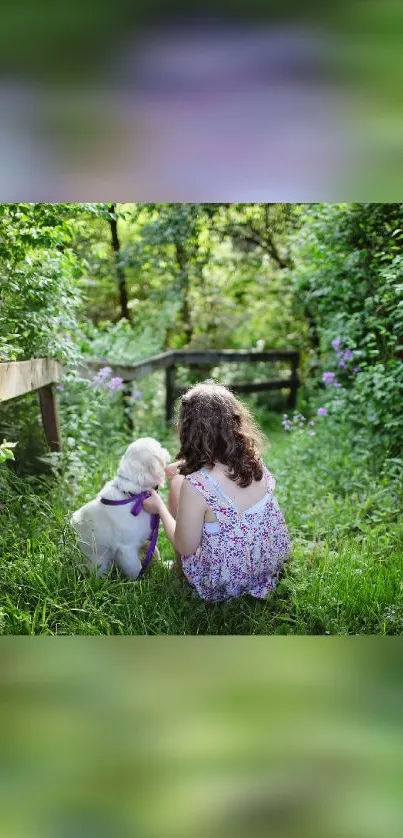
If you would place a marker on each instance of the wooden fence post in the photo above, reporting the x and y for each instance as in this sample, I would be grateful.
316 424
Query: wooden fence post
170 392
294 382
127 404
50 417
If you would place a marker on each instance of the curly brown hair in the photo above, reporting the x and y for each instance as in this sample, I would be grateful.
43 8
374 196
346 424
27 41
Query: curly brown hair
213 427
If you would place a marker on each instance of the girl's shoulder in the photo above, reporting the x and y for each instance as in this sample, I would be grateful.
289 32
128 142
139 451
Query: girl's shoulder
199 482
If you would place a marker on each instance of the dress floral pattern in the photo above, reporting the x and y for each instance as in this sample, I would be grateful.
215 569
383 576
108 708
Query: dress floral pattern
245 552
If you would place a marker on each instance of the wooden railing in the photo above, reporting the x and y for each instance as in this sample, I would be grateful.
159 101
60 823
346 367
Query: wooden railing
207 358
20 377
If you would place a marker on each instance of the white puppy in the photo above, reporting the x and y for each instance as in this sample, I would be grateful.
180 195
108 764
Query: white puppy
111 533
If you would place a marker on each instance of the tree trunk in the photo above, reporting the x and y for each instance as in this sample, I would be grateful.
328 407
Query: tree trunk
120 274
184 285
313 330
124 311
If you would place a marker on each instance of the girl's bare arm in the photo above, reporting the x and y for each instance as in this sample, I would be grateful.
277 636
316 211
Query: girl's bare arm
172 469
185 533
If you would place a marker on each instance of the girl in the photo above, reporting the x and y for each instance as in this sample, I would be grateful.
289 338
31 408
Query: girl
229 530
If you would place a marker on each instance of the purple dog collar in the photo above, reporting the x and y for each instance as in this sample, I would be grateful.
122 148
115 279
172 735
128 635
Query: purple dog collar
137 505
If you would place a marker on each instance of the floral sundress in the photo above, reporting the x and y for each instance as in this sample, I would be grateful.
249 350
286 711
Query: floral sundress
242 552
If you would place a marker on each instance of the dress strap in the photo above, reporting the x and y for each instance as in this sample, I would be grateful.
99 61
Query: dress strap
270 480
217 486
210 491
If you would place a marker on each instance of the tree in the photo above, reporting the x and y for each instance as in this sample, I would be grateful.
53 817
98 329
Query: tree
170 252
260 228
120 273
39 273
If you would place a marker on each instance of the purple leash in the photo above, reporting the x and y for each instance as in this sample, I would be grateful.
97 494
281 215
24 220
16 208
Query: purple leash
137 505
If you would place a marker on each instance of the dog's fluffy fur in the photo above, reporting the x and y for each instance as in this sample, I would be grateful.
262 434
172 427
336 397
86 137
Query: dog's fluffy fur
110 534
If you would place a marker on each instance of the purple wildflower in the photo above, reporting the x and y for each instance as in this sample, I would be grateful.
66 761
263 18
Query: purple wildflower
348 355
336 343
336 384
342 363
137 395
328 378
60 388
115 383
356 369
104 373
322 411
101 377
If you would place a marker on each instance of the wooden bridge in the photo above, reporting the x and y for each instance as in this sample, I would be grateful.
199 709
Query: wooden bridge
20 377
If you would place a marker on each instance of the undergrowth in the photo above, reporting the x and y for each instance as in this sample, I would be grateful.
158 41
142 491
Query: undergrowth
344 575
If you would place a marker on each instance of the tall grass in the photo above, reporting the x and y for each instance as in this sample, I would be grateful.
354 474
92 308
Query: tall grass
344 575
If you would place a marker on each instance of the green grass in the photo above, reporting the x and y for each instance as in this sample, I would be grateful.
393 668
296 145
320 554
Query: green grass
344 575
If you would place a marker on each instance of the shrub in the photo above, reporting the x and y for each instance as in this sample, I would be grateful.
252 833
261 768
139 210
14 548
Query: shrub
349 281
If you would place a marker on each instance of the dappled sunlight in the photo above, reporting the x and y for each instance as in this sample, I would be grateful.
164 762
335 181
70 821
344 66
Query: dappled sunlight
111 312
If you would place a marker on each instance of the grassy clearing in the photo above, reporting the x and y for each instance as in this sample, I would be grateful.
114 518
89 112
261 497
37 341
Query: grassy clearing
344 575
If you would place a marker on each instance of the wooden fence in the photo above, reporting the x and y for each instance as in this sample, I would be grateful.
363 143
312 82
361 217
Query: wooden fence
169 361
20 377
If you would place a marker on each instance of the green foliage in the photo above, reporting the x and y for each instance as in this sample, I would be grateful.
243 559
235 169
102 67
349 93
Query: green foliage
348 280
122 342
246 275
168 253
38 272
6 451
94 419
196 267
348 273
